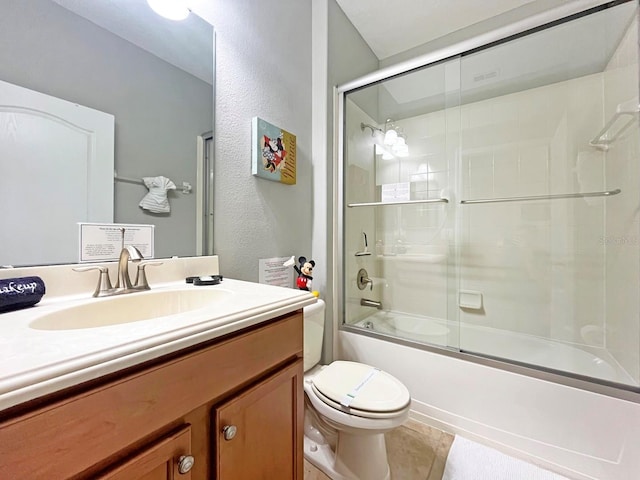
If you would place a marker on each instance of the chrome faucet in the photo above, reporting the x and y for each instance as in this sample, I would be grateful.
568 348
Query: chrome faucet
365 302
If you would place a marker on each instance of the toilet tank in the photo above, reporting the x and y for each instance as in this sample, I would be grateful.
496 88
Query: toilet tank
313 333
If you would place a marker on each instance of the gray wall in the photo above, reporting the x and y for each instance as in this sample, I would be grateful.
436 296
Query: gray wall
263 68
349 58
341 55
282 71
159 109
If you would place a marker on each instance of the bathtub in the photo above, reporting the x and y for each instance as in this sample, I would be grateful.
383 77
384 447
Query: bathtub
501 344
577 433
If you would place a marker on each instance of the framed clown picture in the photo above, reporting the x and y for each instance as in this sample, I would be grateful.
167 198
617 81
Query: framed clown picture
273 152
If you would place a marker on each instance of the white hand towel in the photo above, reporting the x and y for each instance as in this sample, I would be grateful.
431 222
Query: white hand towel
156 200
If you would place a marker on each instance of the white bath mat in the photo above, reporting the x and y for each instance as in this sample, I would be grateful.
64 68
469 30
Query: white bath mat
469 460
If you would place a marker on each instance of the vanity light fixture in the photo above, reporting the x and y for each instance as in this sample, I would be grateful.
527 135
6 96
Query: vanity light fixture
400 147
394 142
171 9
390 133
373 129
390 137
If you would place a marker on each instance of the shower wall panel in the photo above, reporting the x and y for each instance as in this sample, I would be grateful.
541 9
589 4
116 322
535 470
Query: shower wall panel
413 240
622 237
526 143
536 263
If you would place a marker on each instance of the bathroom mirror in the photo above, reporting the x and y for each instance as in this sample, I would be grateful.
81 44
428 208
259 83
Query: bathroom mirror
155 76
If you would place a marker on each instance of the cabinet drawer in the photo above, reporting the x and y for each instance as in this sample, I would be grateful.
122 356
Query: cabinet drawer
80 433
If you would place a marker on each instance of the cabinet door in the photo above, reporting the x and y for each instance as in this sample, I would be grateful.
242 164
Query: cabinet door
259 432
160 461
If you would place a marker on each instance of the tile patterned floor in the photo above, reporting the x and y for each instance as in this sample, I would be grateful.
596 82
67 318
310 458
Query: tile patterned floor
416 452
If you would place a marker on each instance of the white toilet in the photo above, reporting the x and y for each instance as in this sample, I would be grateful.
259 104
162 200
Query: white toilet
348 408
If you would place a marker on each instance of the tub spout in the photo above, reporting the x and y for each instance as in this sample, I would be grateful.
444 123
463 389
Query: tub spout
365 302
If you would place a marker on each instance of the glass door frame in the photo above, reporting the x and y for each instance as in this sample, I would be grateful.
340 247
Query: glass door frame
561 14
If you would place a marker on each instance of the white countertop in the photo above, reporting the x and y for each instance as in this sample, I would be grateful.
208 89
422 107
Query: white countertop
38 362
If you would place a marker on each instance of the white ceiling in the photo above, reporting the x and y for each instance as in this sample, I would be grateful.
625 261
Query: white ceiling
569 50
391 27
187 44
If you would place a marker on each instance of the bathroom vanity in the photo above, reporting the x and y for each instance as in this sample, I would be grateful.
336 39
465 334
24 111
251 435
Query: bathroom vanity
210 393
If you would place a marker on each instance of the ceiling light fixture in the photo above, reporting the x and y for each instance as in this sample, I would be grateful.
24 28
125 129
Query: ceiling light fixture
171 9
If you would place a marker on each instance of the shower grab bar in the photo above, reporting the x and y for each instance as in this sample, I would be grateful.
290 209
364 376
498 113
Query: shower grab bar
608 193
405 202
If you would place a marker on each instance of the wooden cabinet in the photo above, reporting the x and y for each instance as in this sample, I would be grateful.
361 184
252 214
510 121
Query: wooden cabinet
257 431
137 424
167 459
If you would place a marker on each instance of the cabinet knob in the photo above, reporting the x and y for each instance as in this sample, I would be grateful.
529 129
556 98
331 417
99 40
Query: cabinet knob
229 431
185 463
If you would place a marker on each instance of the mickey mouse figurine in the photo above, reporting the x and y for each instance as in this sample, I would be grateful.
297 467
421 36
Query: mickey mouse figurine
305 270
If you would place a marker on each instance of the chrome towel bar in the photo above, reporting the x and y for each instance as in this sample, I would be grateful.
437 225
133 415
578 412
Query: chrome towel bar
186 186
405 202
608 193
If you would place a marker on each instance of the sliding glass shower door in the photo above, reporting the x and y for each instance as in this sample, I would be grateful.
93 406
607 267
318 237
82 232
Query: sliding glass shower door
401 144
548 180
491 201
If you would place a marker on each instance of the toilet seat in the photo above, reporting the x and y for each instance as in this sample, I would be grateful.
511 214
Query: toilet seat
361 390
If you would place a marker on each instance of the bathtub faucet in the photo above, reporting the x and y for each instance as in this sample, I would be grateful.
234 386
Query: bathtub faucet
365 302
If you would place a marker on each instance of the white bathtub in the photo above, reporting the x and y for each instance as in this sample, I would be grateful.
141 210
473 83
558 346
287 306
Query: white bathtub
577 433
536 351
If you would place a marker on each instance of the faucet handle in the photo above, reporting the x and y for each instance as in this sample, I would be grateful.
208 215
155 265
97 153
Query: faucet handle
104 282
363 279
141 276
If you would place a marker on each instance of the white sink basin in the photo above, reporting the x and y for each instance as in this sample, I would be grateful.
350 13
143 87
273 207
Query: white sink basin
127 308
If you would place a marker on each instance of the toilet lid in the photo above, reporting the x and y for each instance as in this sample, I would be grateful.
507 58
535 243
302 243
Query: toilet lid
362 387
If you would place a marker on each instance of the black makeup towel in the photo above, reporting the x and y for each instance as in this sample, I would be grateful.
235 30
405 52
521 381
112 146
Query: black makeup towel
16 293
